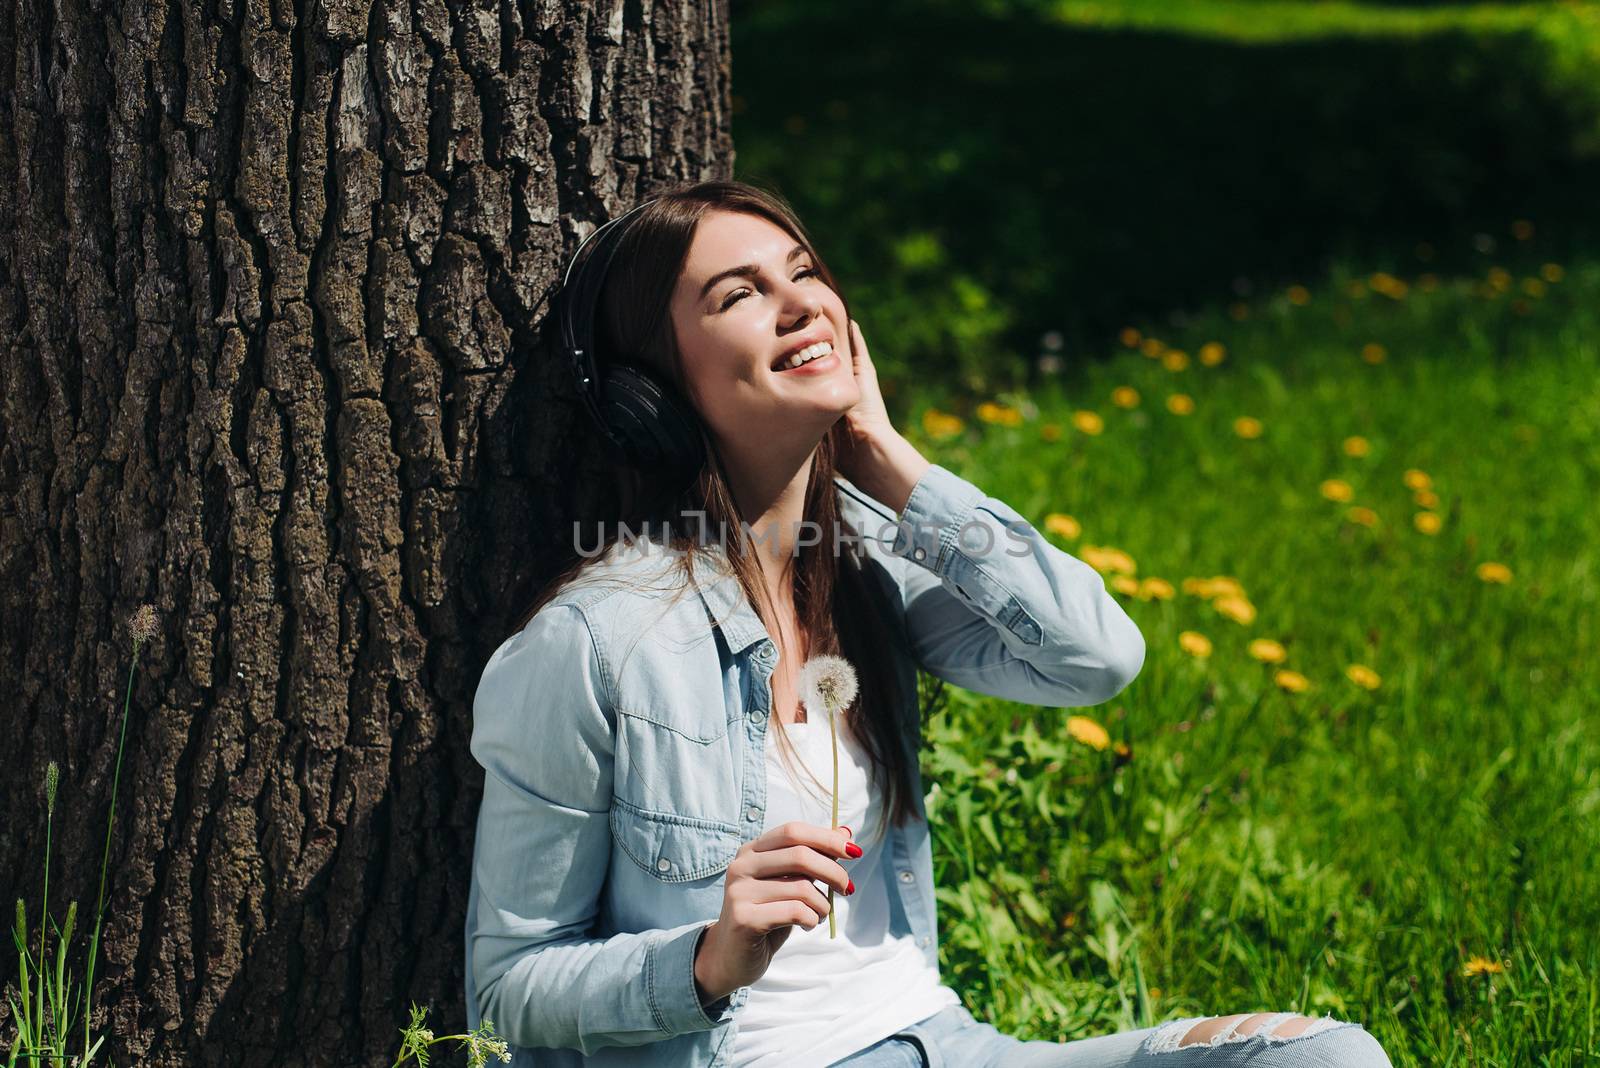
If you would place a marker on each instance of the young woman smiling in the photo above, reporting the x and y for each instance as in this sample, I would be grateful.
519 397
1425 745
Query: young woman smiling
650 873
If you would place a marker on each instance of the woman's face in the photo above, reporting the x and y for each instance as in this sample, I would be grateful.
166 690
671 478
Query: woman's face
747 299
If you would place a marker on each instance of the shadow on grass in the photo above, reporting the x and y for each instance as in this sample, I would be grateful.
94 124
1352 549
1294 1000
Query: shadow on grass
978 180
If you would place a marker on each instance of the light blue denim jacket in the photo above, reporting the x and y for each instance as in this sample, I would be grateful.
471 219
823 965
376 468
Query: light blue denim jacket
621 734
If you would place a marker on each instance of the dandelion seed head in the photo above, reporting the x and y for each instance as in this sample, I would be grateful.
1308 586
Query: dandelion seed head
827 683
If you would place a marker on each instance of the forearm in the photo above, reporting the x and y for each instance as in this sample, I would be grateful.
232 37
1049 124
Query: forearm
886 467
594 992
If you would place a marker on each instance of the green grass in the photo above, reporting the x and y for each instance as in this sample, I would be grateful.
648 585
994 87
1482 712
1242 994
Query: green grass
1340 850
1282 20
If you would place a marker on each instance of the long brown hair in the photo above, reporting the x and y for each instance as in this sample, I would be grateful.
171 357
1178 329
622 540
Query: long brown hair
839 607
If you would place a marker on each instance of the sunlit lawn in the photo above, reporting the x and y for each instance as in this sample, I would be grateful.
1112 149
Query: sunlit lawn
1387 808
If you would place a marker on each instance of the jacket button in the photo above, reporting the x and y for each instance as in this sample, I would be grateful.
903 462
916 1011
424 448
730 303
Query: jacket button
758 716
906 876
919 552
663 864
753 814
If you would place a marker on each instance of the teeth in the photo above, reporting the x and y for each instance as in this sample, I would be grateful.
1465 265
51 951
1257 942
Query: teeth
806 355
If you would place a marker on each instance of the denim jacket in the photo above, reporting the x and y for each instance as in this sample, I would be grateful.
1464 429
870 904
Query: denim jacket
621 735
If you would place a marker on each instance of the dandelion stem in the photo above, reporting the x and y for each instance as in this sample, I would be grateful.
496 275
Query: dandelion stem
833 733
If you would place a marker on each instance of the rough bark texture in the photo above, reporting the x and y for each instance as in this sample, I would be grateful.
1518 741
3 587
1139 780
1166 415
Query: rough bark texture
272 282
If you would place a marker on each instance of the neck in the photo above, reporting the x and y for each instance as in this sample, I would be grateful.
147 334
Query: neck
771 499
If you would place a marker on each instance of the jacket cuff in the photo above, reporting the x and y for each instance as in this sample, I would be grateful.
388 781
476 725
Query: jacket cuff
939 506
672 986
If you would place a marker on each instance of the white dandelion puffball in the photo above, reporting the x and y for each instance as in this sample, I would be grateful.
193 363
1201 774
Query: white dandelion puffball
827 683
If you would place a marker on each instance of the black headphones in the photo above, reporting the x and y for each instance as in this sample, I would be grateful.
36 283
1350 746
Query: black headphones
645 421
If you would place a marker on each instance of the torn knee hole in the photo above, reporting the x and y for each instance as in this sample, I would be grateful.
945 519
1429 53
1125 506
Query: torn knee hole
1236 1028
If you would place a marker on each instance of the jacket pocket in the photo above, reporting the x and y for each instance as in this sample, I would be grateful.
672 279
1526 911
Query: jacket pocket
673 848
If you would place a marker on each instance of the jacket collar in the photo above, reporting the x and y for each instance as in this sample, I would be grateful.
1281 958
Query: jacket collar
726 605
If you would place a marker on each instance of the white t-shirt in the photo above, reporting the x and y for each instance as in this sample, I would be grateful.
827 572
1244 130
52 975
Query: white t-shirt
823 999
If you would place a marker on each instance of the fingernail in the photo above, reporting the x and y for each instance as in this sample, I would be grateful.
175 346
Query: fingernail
852 850
851 888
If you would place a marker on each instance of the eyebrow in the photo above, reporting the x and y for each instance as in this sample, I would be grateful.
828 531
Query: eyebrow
745 270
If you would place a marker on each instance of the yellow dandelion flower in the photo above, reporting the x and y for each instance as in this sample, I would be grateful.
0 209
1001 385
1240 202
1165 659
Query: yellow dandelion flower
1050 431
1299 295
1533 287
1125 584
1363 676
939 424
1336 489
1492 571
1062 524
1522 229
1417 479
1153 588
1215 586
1129 336
1212 353
1292 681
1426 499
1125 397
1002 414
1104 558
1552 273
1247 426
1152 347
1499 279
1123 750
1235 608
1426 522
1387 284
1088 422
1087 731
1363 515
1174 359
1480 965
1238 311
1356 445
1267 651
1194 643
1373 352
1180 403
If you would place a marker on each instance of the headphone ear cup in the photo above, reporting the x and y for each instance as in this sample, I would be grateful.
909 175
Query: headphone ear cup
655 426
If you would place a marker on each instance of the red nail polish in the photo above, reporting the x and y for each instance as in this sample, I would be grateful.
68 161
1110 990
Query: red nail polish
851 888
852 850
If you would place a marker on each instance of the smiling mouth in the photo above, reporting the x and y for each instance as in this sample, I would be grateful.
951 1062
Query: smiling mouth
819 351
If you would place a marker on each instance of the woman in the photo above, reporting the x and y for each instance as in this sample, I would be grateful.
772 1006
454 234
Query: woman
650 872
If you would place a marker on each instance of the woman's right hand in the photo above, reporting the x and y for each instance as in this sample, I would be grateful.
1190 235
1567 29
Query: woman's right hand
768 889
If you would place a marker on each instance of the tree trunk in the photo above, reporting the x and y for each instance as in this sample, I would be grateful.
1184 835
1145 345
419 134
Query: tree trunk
272 280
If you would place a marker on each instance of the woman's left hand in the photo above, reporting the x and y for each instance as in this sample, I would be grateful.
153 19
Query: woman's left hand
876 457
868 419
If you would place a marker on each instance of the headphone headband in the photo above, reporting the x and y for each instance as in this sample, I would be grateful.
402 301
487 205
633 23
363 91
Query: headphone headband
641 418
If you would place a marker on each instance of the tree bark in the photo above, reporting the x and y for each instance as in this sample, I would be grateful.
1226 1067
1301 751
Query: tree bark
273 278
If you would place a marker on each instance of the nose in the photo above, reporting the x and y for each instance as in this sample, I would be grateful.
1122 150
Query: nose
801 304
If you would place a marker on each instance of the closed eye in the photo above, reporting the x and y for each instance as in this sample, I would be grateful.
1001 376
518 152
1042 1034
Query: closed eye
733 298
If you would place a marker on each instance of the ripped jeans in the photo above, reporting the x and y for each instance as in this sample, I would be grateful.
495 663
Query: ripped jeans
954 1038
